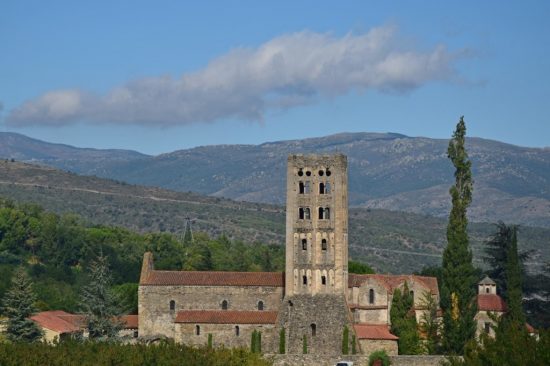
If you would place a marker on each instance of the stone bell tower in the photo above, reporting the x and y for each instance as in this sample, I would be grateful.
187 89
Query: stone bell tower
316 277
317 224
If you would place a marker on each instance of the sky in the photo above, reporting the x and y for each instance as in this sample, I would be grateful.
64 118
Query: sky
166 75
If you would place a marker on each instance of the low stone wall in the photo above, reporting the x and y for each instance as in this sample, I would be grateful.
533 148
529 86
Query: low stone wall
358 360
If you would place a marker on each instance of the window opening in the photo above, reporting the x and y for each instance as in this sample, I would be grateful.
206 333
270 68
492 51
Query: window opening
224 305
487 327
487 290
237 330
323 280
308 173
328 173
324 244
172 305
304 280
321 213
321 173
304 244
327 188
313 329
321 188
327 213
307 187
371 296
301 213
307 214
197 330
301 187
300 173
260 305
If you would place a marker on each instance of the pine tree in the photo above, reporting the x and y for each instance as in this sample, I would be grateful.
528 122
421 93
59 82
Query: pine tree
18 306
458 278
98 303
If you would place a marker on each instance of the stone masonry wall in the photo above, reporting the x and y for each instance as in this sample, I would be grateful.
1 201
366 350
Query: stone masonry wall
329 313
155 317
226 335
358 360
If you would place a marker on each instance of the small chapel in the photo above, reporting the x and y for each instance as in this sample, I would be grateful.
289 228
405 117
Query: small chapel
314 301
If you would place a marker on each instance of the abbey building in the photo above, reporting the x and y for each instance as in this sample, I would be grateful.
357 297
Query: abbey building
314 302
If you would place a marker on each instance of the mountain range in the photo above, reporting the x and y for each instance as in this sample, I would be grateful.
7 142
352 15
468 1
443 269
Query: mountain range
386 171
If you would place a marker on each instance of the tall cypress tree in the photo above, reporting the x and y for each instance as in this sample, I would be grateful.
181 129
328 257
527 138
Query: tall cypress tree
403 321
458 287
513 281
18 306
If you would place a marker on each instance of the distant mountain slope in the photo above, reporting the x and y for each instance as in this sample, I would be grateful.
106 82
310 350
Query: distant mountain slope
395 242
80 160
388 171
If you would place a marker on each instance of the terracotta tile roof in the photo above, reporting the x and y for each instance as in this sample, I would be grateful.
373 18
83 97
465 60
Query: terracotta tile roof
373 331
58 321
195 278
393 281
226 317
129 321
490 302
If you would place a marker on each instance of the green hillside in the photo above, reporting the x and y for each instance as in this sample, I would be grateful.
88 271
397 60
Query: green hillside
393 242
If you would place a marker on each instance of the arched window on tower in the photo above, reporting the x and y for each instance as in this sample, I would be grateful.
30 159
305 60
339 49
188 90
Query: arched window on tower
260 305
321 188
304 244
301 187
172 305
307 214
371 296
327 188
313 327
224 305
301 213
324 244
321 213
327 213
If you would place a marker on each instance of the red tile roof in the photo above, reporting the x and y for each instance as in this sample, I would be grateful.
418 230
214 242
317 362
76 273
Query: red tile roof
530 328
373 331
129 321
391 282
226 317
195 278
490 302
58 321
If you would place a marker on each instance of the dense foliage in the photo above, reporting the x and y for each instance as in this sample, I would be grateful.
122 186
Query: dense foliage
430 325
18 306
403 322
379 356
458 276
512 344
106 353
535 288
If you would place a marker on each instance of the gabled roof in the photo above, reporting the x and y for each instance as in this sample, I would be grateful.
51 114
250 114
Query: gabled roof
490 302
391 282
487 281
374 331
226 317
58 321
197 278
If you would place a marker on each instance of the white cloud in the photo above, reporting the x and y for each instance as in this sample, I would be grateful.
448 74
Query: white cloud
289 70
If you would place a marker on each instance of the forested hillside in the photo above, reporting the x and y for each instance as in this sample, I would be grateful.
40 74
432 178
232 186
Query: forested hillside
394 242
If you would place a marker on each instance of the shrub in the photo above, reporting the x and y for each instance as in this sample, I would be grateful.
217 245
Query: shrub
379 356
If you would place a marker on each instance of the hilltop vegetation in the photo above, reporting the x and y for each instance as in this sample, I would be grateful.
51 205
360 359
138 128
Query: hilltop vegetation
393 242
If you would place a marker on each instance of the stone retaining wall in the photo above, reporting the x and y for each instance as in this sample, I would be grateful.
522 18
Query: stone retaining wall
362 360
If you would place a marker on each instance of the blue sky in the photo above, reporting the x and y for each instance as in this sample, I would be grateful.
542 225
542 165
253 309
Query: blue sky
161 76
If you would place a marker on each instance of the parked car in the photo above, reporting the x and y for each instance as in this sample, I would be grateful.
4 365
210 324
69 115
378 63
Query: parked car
344 363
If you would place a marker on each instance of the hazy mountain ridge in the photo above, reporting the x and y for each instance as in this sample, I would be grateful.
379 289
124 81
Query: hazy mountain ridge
395 242
389 171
